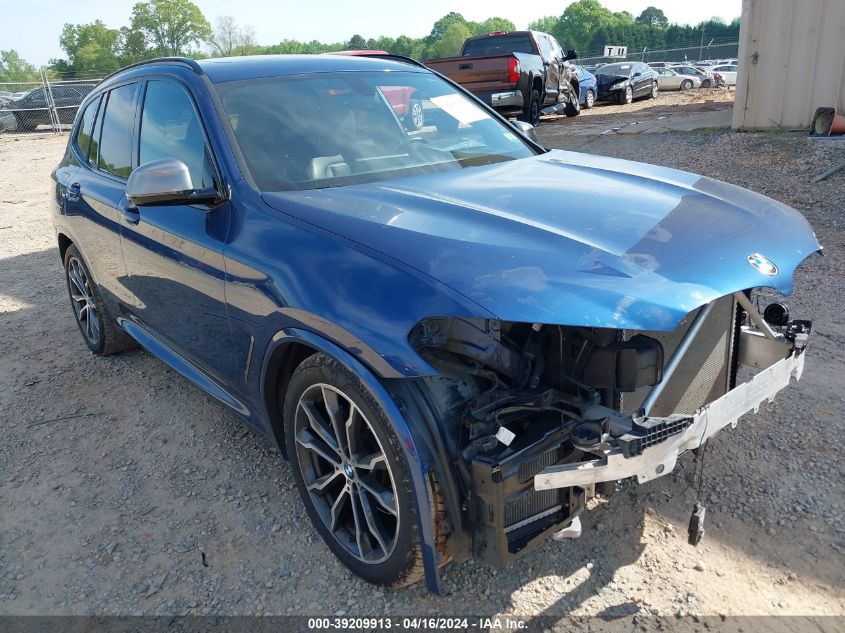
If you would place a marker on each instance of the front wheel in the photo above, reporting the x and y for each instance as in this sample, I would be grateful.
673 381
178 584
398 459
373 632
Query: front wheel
686 84
351 473
627 97
573 105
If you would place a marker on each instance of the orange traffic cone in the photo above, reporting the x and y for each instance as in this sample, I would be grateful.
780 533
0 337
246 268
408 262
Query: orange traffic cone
827 123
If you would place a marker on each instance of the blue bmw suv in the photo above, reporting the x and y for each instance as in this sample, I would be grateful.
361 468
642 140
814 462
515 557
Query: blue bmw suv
455 336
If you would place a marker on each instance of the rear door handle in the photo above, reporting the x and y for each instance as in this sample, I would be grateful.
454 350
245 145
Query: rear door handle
73 192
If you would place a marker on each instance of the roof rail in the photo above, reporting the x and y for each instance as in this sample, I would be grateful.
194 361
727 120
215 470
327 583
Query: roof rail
382 55
187 61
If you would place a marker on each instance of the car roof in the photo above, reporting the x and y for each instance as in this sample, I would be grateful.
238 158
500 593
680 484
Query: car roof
223 69
254 66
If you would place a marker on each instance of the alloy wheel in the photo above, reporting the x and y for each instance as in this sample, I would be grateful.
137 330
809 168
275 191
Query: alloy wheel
346 473
82 297
590 99
417 115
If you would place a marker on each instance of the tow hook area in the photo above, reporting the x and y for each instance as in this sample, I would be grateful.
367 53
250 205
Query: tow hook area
573 530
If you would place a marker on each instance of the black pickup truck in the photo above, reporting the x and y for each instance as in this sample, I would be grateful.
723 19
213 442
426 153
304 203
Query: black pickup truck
517 72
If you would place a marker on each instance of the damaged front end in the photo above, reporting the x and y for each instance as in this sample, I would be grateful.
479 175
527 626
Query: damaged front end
547 415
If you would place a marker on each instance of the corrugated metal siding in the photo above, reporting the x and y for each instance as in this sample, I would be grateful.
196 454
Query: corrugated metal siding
791 61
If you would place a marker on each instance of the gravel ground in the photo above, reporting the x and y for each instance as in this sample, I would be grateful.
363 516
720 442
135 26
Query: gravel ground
125 490
667 102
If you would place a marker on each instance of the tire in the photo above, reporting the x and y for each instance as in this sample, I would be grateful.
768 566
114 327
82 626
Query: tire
706 83
531 112
415 118
686 84
573 106
370 483
99 331
654 90
626 97
589 99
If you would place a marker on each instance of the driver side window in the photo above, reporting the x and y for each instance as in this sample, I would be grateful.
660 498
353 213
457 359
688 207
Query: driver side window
171 128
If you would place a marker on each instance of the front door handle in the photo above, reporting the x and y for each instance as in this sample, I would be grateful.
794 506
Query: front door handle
131 214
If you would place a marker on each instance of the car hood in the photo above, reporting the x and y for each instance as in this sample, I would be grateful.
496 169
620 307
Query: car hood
568 238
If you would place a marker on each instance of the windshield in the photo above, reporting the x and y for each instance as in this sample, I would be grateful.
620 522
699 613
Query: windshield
332 129
615 69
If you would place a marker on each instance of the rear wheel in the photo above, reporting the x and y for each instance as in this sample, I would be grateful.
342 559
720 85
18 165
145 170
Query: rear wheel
100 332
351 473
531 112
415 118
589 99
654 90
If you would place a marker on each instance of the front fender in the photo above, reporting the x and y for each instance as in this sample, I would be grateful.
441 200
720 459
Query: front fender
416 465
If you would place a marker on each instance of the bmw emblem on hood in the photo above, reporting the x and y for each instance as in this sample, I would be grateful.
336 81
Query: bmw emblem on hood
762 264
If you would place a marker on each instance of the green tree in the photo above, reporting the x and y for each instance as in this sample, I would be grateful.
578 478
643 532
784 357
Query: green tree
170 26
580 20
356 43
494 24
452 40
13 67
438 31
549 24
653 16
90 47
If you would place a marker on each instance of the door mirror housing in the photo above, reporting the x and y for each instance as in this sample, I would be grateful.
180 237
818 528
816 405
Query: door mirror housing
165 181
637 74
526 129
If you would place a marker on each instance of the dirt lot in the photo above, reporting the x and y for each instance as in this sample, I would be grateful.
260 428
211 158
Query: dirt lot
125 490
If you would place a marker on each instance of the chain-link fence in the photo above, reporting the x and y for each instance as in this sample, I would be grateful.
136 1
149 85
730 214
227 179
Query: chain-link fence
48 105
704 54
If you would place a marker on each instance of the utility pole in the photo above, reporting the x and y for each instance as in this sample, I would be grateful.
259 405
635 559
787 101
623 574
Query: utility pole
701 45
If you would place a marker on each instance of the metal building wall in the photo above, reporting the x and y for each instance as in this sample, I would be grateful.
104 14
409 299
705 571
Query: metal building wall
791 61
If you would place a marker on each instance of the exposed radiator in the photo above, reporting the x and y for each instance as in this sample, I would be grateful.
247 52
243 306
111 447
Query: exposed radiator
704 373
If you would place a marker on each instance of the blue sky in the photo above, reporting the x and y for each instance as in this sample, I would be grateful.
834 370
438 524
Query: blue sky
33 27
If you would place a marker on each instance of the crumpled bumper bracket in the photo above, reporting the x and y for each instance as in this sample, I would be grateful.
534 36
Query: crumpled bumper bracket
656 461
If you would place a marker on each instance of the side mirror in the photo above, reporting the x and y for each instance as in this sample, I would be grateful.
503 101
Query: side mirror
526 129
637 74
165 181
570 55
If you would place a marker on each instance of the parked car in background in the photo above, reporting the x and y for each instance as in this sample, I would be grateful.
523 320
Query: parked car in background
623 82
516 72
671 79
586 85
658 64
401 98
703 74
30 110
727 72
455 335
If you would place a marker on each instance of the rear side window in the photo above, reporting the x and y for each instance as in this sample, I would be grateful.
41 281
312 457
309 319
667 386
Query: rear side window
499 45
84 139
170 128
116 136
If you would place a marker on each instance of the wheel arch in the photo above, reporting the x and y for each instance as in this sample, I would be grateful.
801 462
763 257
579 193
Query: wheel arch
291 346
64 243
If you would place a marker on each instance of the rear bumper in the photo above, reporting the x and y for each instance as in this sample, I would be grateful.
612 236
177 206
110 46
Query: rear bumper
505 101
691 432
